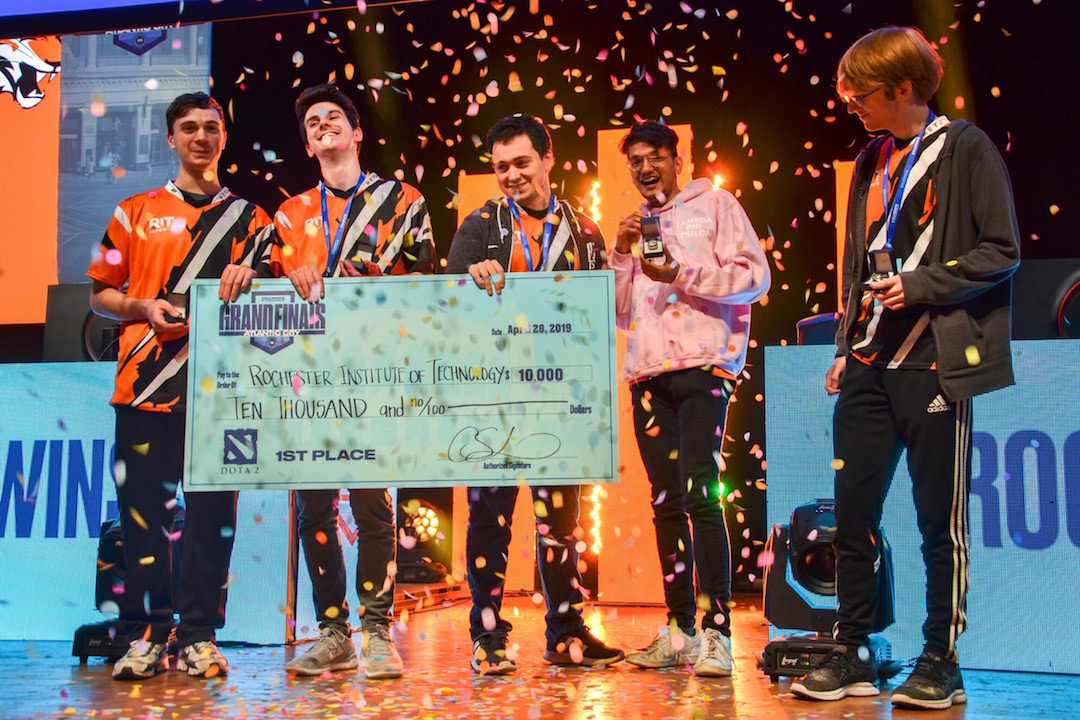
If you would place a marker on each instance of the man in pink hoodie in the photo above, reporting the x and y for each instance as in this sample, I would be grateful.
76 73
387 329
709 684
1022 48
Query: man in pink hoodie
685 304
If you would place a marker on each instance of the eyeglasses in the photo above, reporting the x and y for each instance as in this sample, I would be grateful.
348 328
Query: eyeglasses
857 99
637 162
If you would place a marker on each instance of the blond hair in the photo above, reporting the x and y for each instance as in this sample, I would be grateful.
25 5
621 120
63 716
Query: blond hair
887 57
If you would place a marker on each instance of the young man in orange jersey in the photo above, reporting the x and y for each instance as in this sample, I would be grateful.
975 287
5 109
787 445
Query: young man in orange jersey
352 223
527 229
931 244
157 243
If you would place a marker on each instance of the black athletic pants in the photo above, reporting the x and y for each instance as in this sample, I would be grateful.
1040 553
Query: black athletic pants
679 421
150 460
487 544
879 413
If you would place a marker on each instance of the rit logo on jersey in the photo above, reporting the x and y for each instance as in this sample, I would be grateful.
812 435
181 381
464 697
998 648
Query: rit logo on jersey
165 223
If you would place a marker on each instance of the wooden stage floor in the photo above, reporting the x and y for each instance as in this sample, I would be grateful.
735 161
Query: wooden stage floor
42 680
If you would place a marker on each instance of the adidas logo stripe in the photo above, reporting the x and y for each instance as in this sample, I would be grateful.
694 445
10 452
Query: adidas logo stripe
937 405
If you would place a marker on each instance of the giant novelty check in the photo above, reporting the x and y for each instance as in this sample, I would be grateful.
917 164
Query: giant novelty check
415 381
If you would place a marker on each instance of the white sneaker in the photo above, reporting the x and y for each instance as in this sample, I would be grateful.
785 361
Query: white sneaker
379 656
332 652
202 659
670 647
142 660
714 660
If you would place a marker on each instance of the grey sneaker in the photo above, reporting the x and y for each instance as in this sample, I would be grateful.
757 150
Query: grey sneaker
934 684
670 647
332 652
714 660
202 659
142 660
840 674
380 657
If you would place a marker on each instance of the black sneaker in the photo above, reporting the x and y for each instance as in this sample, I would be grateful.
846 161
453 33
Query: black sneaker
839 675
934 684
582 648
489 656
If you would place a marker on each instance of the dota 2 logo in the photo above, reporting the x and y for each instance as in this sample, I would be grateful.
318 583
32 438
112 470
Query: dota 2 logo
21 70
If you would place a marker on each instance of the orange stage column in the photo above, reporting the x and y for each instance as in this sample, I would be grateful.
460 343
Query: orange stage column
843 169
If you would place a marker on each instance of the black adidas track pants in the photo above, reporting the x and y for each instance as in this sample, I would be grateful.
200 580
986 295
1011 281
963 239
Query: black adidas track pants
879 413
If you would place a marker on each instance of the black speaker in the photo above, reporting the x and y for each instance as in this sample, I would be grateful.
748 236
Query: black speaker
111 567
818 329
1046 299
73 332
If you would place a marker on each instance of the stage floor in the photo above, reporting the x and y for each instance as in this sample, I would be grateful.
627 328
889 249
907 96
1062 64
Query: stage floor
43 680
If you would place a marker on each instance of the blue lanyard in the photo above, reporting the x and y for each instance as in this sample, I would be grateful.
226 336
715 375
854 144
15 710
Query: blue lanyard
332 251
898 196
545 242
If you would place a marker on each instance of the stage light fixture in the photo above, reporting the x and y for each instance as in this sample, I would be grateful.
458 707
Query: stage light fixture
422 521
424 528
800 587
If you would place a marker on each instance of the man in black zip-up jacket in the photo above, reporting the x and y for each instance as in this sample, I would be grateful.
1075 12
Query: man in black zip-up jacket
931 244
525 230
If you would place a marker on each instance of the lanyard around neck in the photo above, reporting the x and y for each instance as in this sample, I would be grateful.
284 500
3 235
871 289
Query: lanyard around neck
334 249
545 243
898 197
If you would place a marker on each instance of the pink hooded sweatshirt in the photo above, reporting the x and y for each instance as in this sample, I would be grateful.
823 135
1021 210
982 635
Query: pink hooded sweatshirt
703 317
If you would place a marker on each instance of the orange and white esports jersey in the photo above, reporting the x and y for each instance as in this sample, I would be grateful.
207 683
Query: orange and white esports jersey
157 243
388 224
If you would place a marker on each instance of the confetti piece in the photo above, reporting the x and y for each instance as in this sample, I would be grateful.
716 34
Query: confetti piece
137 518
972 354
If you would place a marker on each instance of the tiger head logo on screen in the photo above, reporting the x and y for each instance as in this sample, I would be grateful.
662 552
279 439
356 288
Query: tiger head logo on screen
21 70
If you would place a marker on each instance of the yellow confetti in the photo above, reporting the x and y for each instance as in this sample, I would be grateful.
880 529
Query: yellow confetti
972 354
540 508
142 448
137 518
837 464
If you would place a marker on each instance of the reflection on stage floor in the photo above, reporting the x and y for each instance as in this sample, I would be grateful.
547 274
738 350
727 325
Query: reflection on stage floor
42 680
